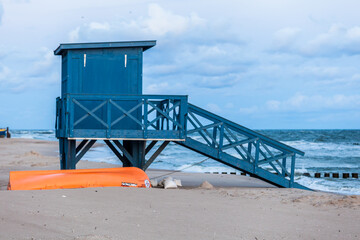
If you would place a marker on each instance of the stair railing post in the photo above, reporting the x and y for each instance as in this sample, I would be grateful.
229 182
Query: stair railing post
108 131
249 150
292 171
70 113
257 151
221 139
167 119
174 126
284 165
145 117
213 144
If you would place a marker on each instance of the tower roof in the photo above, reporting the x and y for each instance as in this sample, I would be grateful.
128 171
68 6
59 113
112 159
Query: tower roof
100 45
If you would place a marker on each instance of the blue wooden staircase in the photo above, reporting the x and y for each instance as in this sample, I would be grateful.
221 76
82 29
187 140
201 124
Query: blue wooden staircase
241 148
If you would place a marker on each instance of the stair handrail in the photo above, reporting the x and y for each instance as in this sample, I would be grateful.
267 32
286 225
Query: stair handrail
246 131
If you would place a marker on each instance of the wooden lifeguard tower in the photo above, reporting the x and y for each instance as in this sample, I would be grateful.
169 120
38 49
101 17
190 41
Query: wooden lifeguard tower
102 99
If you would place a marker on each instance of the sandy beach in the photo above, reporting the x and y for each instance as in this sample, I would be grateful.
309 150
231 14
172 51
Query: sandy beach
238 207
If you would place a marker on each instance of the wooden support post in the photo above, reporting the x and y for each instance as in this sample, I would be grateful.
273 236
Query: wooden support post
125 149
134 151
67 153
62 152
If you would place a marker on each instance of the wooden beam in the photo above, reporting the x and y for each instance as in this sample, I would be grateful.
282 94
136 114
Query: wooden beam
84 150
154 156
81 145
151 145
116 152
125 152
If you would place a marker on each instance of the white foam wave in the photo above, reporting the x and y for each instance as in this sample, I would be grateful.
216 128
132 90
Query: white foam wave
343 186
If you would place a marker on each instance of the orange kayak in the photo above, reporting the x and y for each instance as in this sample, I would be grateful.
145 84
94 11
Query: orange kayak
80 178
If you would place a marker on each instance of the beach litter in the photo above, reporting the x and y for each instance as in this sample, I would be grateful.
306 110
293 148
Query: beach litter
166 183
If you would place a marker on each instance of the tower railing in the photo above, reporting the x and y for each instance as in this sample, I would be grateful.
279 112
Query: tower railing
122 117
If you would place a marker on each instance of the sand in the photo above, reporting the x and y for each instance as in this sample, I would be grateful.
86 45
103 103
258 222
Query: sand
235 207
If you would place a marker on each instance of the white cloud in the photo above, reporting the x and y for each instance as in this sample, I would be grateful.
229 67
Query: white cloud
217 81
10 80
304 103
213 108
185 50
1 11
337 41
158 22
74 35
229 105
319 71
161 21
89 31
44 64
213 53
285 38
164 88
217 65
353 33
157 87
273 105
99 26
40 72
4 73
249 110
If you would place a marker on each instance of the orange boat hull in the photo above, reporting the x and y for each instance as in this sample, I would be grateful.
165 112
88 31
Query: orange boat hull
80 178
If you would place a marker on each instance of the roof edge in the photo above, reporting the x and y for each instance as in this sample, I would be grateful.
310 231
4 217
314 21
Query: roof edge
94 45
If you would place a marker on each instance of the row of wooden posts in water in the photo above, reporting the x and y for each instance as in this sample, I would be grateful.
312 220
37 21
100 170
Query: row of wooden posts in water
333 175
316 175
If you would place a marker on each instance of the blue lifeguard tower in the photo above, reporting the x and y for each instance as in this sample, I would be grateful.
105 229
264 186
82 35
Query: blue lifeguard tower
102 99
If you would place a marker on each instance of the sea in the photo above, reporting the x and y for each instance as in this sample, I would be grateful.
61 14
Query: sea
326 151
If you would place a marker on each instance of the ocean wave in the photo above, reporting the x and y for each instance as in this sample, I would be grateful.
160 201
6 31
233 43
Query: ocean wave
343 186
34 134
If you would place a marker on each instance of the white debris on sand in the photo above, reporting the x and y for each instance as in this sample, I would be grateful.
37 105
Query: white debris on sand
166 183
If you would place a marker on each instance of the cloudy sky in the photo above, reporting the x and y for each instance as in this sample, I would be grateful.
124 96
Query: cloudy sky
263 64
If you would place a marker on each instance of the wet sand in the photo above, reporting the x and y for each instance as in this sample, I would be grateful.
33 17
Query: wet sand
238 207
